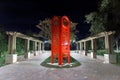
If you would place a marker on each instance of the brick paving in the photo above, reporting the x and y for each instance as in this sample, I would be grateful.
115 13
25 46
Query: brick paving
91 69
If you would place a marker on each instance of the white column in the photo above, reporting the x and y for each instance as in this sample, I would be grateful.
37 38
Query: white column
80 47
27 46
35 48
77 47
12 44
109 44
12 56
39 47
109 57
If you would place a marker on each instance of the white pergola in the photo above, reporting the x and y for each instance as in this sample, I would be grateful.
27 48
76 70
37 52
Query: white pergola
82 46
38 46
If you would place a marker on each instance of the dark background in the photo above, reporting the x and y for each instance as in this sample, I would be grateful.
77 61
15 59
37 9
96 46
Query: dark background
25 15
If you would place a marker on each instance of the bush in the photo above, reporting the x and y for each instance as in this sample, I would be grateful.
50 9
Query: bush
2 59
118 58
89 51
101 52
20 53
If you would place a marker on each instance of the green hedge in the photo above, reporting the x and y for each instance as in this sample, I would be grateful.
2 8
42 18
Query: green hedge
118 58
101 52
89 51
2 59
20 53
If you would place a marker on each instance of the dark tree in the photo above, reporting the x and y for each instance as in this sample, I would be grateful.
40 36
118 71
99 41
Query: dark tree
3 41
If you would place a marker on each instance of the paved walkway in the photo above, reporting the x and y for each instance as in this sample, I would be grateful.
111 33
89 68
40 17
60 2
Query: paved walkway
91 69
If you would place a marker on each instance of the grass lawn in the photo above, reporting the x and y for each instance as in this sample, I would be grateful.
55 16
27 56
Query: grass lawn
47 63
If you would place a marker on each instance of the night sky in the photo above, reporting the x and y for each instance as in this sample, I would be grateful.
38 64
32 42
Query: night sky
25 15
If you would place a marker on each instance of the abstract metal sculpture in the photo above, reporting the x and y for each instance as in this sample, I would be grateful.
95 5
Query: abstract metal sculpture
60 39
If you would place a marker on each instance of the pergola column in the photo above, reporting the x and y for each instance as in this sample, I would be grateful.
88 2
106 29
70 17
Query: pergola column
85 48
12 44
77 47
93 46
39 47
109 44
35 48
80 47
109 57
27 46
12 56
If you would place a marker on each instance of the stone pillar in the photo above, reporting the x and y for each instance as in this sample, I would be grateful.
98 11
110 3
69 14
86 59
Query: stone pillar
109 57
80 44
12 44
39 47
35 49
27 46
76 47
12 56
107 44
93 46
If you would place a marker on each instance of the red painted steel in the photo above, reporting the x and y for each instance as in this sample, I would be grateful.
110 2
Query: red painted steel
60 39
65 38
55 37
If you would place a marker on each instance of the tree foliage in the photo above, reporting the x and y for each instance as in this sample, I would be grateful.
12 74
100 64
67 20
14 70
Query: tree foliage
97 22
101 43
45 29
20 46
3 41
106 18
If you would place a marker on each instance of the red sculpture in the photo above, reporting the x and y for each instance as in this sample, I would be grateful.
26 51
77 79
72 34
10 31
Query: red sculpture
60 39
